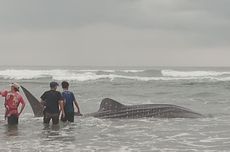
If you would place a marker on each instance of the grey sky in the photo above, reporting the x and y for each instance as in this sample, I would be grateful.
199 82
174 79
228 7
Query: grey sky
115 32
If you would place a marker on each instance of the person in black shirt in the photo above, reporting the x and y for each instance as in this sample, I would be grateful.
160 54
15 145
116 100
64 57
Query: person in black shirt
52 100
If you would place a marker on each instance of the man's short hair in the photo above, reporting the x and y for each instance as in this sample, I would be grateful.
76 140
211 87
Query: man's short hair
53 84
65 84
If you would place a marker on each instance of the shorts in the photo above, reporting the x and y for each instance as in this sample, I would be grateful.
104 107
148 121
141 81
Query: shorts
69 116
12 120
48 116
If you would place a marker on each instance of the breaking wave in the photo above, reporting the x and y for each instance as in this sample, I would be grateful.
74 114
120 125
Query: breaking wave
173 73
78 75
91 75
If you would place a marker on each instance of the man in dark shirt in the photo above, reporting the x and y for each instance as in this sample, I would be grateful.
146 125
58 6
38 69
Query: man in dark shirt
52 100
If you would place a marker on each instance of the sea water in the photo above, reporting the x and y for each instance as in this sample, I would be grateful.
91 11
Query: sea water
203 90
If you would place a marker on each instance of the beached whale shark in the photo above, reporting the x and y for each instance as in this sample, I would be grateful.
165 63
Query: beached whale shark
36 106
110 108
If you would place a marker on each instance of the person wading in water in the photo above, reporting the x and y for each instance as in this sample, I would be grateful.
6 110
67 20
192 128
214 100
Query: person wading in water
69 101
12 101
52 102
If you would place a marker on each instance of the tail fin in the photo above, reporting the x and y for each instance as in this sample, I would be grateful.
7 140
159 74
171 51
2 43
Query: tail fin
34 103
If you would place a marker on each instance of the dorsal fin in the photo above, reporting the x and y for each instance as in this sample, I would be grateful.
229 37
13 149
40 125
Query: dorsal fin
34 103
110 104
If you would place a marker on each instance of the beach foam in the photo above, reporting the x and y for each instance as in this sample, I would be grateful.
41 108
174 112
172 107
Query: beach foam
173 73
91 75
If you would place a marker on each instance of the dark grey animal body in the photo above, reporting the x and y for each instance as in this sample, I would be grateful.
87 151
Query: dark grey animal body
110 108
34 103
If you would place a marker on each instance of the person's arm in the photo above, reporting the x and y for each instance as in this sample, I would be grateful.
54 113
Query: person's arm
4 93
76 104
42 102
23 104
7 110
1 92
43 98
61 105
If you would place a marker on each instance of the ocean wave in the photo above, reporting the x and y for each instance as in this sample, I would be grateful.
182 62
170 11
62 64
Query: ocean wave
61 74
173 73
81 75
107 71
112 71
132 71
31 74
92 75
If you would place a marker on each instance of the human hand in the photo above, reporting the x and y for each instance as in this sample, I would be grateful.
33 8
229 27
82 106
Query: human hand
7 107
19 114
63 115
79 113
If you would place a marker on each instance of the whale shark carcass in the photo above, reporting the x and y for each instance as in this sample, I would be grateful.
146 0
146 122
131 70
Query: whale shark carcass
110 108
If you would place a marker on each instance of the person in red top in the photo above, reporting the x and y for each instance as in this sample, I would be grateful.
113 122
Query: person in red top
12 101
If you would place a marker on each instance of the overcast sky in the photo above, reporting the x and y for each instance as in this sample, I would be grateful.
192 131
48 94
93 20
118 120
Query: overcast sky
115 32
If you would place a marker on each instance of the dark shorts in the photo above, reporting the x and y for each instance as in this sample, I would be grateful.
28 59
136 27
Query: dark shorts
12 120
69 116
48 116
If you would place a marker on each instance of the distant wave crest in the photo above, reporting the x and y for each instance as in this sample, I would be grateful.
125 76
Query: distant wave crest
173 73
92 75
78 75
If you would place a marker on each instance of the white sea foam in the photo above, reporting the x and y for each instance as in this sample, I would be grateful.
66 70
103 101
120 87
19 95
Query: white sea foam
71 75
91 75
132 71
173 73
31 74
109 71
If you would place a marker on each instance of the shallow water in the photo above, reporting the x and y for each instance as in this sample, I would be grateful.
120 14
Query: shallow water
205 96
91 134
